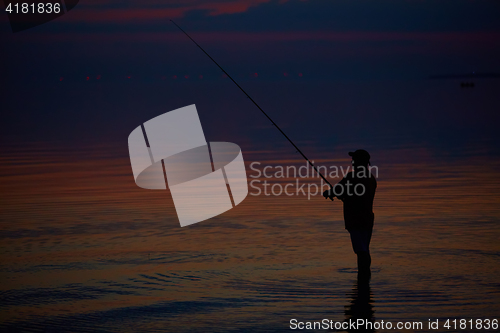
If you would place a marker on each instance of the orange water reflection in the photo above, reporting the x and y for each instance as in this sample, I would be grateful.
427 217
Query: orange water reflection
81 240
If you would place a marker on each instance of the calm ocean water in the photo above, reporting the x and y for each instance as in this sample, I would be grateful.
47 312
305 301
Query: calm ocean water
84 249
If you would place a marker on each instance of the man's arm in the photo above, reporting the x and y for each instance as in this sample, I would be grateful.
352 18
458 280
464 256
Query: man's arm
330 193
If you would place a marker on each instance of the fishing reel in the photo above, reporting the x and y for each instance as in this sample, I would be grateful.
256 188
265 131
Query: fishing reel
328 194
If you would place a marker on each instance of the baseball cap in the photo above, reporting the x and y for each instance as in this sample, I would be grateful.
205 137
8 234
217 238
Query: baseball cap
360 155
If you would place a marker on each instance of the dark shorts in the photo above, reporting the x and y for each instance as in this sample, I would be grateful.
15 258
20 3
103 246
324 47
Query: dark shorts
360 239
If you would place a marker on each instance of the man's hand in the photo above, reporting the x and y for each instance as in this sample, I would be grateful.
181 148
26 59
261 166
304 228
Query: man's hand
328 194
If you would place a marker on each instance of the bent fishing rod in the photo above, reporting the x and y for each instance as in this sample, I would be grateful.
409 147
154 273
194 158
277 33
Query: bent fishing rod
257 105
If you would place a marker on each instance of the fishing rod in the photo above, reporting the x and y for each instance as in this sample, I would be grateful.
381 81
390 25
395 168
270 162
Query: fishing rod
257 105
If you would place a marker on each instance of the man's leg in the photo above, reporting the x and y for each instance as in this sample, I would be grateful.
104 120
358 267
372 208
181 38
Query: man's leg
364 262
360 240
367 260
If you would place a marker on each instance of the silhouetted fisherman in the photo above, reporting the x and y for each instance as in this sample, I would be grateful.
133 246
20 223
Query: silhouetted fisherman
357 191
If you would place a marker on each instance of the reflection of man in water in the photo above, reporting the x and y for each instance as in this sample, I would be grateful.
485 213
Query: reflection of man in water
360 306
357 191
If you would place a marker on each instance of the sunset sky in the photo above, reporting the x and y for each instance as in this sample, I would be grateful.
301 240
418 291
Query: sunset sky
328 72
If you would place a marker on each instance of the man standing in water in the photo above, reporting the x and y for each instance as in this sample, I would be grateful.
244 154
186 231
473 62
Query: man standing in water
357 191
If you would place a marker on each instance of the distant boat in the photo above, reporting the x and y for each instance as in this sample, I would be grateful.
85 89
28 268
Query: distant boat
472 75
468 77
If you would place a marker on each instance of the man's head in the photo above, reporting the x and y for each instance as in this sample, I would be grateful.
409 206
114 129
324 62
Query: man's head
360 157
